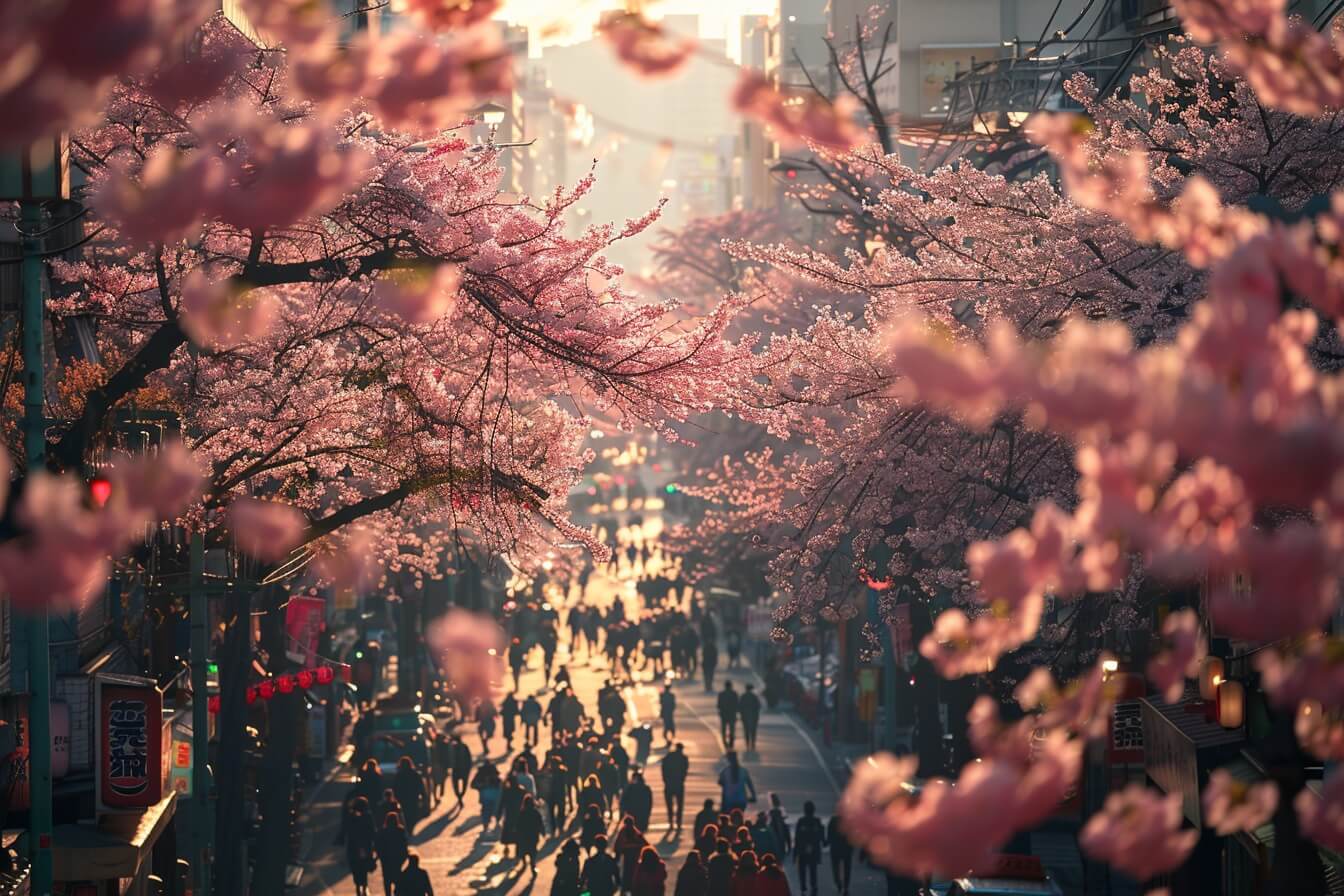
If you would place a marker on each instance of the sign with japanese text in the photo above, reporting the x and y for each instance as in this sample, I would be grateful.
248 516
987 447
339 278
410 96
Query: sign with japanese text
1125 746
131 746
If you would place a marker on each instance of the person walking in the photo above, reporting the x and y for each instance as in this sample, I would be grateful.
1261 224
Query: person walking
592 794
409 787
509 711
650 874
772 881
601 873
675 766
749 709
488 786
667 711
720 869
728 707
629 842
746 873
553 786
392 849
842 855
460 765
709 661
779 823
510 806
692 880
594 825
531 718
414 880
809 836
735 785
443 761
763 840
389 803
568 870
733 641
485 723
369 786
707 815
707 839
527 831
637 801
360 835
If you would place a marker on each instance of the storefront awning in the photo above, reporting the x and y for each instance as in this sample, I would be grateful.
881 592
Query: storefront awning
114 848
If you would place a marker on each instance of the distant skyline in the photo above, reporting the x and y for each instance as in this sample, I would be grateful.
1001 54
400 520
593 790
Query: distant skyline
570 21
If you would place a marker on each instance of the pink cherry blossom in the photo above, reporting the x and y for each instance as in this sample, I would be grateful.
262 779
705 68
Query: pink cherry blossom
1300 561
350 562
1185 649
1138 831
164 482
1082 707
960 645
646 47
163 200
450 15
798 117
268 530
1322 817
1319 731
1306 669
221 315
1231 806
419 295
469 648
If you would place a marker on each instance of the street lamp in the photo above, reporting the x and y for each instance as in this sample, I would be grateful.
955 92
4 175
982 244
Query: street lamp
492 114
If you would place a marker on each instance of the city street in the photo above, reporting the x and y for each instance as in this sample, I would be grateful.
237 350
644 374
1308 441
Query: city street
788 761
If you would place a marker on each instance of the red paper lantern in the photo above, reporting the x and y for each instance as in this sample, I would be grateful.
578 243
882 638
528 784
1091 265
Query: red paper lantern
285 684
266 690
213 705
305 679
100 489
325 675
251 696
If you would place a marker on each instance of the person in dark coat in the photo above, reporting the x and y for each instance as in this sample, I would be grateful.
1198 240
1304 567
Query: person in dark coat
601 873
485 723
772 881
667 711
707 839
763 839
488 786
706 815
675 767
629 842
409 787
390 803
780 825
460 764
414 879
443 762
692 879
527 831
709 661
392 849
637 801
593 826
530 715
360 834
842 855
746 874
509 711
370 786
553 789
592 794
568 870
749 710
809 836
728 706
720 869
510 805
650 878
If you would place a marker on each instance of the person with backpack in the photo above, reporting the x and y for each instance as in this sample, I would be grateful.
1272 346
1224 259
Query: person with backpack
675 767
736 787
809 836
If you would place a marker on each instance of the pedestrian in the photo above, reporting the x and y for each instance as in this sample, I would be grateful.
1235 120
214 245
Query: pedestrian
706 815
709 661
360 835
508 714
517 659
443 761
550 642
510 805
728 706
485 723
642 735
531 718
601 873
592 794
553 787
749 708
735 784
779 823
568 872
487 786
562 678
733 641
414 880
388 804
409 787
369 786
744 876
593 825
637 801
527 833
772 881
460 765
742 841
763 838
650 874
842 855
621 759
720 869
675 767
392 849
692 879
707 838
667 711
808 839
629 842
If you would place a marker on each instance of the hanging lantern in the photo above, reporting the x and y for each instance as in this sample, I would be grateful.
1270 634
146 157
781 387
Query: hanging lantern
100 490
285 684
305 679
266 689
1210 676
1231 704
251 696
325 675
212 705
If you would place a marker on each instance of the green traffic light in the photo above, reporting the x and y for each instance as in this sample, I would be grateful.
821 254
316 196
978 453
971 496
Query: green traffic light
212 668
671 489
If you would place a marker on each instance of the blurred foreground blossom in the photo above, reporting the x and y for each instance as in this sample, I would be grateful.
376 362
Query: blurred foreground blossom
797 118
1322 817
1185 648
1231 806
349 563
645 47
469 648
222 315
268 530
419 295
1138 831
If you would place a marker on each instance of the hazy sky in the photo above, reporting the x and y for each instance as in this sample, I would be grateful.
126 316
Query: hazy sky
560 21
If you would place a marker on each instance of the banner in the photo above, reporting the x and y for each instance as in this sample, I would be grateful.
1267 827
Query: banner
132 753
304 616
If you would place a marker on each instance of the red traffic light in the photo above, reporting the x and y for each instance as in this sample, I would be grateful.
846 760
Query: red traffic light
100 490
213 705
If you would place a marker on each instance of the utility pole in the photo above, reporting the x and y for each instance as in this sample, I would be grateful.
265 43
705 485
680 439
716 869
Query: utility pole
39 649
202 814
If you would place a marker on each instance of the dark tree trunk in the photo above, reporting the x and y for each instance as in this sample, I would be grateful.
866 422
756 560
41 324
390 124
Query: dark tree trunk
275 791
234 659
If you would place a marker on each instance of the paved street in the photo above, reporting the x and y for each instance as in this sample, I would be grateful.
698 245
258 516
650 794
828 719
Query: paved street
461 861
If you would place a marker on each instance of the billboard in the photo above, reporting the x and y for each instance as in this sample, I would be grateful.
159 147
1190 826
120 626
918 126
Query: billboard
132 753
